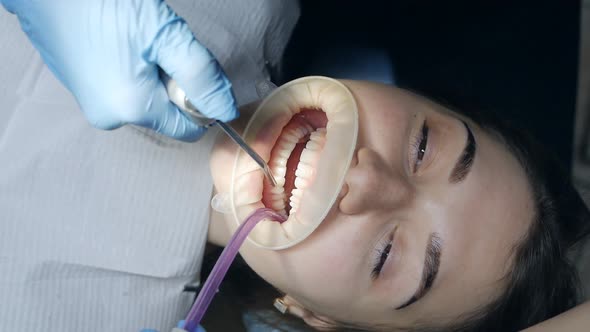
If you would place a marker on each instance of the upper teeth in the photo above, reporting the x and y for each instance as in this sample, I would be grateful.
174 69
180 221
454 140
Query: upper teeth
305 169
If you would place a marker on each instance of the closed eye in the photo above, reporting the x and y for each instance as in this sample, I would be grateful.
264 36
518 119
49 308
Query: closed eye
380 261
382 254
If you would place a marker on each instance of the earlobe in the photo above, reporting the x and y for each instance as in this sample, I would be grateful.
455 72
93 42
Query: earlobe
287 304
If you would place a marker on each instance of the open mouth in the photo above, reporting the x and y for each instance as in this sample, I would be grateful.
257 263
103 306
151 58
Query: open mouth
307 131
294 159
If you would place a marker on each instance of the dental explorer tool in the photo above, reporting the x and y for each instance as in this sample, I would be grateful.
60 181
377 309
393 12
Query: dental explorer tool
178 97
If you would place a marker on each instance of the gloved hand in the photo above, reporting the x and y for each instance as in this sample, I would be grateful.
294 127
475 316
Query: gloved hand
179 325
107 53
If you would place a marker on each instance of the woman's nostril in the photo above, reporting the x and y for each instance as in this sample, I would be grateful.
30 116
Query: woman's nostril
372 184
351 203
343 191
362 153
355 160
357 190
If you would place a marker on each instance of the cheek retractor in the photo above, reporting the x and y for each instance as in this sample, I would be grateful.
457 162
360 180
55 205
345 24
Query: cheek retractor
322 166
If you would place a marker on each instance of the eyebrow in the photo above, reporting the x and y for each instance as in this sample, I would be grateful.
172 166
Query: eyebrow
465 161
430 270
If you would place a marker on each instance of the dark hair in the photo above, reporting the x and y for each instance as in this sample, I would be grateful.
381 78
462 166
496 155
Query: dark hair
543 282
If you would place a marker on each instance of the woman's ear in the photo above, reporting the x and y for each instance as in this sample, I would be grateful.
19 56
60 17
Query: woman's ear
287 304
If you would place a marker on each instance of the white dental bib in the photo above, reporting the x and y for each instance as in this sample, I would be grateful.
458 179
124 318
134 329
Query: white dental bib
101 231
328 170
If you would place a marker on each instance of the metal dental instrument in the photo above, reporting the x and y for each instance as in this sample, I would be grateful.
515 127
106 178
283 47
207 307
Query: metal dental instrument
239 141
178 97
194 114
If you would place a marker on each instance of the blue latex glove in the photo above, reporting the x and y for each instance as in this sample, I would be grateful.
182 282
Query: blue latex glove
180 324
107 53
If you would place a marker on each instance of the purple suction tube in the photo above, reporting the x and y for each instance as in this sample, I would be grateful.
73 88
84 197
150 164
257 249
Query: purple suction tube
227 256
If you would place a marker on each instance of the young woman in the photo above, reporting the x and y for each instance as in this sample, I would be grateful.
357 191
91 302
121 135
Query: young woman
442 223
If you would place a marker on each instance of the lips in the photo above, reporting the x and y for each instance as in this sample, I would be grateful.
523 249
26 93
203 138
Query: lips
307 131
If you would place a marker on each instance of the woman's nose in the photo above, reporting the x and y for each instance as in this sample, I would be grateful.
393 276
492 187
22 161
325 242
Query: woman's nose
373 184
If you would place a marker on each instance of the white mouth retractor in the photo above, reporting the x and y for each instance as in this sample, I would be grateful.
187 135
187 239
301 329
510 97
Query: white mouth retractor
316 92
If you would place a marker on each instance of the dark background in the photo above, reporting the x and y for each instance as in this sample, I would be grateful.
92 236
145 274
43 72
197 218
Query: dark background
518 58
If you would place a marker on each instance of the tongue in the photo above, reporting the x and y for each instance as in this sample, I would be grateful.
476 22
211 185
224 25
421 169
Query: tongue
315 117
292 163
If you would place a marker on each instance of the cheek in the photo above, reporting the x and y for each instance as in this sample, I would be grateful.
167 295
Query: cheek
325 254
325 261
380 127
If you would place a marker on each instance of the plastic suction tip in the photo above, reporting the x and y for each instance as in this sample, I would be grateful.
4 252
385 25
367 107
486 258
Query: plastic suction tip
221 203
230 251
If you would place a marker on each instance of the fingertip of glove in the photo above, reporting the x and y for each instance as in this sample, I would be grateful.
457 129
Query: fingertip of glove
219 104
173 123
190 138
104 123
189 135
231 114
222 109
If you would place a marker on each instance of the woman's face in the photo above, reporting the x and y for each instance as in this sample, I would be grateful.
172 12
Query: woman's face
425 224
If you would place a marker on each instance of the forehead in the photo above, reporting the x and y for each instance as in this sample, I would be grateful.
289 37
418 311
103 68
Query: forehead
485 218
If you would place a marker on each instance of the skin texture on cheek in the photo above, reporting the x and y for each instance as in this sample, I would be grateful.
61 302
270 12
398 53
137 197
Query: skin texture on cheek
328 263
327 268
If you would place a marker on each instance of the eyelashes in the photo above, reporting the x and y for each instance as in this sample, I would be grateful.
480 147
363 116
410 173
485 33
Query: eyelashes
419 145
381 258
418 148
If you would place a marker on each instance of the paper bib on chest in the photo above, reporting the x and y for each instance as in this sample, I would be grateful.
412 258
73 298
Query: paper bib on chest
101 230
